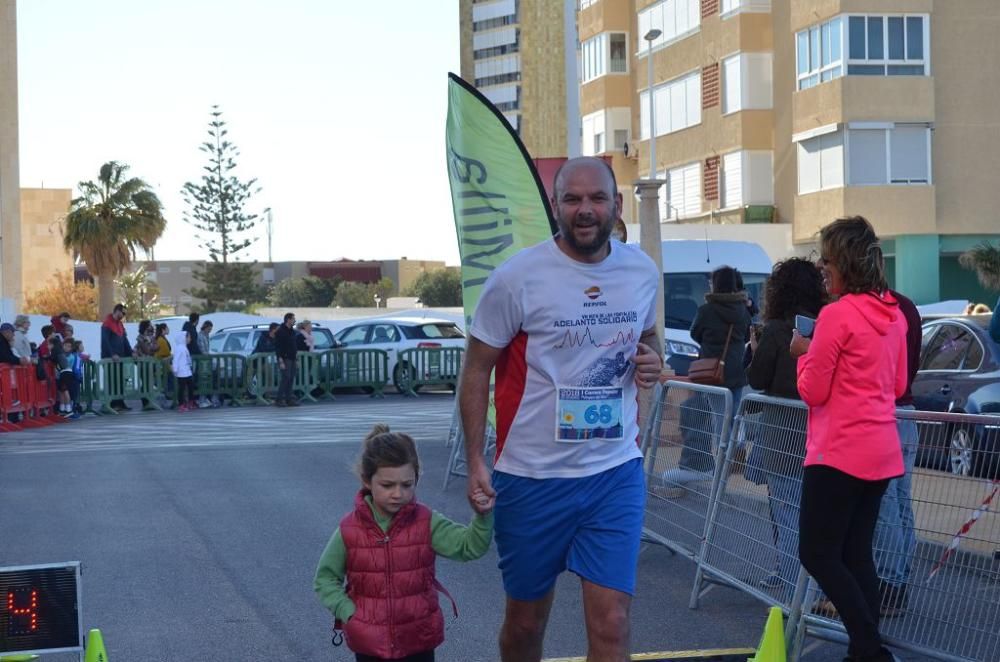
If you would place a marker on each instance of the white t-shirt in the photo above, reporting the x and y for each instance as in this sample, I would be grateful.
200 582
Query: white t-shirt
565 396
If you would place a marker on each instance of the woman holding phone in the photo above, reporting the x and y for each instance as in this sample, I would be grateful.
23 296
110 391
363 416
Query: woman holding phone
850 374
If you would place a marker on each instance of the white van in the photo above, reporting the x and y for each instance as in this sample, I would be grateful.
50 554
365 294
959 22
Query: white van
687 268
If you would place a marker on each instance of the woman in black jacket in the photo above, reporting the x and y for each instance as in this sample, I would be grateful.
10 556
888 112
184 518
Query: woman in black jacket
725 314
794 288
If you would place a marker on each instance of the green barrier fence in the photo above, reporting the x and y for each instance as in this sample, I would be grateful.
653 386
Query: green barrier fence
88 388
427 366
262 377
221 375
353 368
306 375
123 379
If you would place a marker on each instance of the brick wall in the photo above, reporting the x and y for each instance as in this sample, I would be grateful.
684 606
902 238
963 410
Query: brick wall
711 178
710 86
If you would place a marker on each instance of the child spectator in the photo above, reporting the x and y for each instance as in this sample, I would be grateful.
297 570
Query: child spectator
76 361
351 578
67 331
163 349
144 342
43 350
64 376
182 369
60 323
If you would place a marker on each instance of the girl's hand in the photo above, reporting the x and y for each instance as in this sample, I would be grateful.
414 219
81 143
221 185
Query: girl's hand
799 344
483 503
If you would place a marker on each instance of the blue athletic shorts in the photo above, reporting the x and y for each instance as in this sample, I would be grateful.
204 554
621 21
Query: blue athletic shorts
590 525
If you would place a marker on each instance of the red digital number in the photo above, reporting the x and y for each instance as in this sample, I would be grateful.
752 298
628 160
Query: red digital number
22 609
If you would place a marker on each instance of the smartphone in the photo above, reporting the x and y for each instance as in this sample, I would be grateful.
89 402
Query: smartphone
805 325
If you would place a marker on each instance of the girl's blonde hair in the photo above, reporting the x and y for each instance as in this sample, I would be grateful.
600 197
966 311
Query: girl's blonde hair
382 448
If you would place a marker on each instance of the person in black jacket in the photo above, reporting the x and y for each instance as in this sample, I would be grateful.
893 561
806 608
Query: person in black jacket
6 338
725 314
794 288
285 348
265 345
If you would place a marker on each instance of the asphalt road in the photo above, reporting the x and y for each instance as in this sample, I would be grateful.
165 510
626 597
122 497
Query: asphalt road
199 534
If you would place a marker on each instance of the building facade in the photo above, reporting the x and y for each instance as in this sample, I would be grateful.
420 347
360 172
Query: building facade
175 278
521 55
10 202
43 214
800 111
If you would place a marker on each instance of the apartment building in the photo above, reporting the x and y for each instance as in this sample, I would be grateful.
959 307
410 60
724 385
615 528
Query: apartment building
800 111
11 291
521 54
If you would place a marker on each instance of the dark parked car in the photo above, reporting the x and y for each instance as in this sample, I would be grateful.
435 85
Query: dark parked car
959 372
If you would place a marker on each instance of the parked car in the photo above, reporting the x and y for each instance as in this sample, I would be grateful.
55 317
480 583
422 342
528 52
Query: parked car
242 339
401 333
959 372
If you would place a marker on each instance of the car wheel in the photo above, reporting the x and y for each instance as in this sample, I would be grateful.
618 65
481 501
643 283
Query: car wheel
403 377
961 452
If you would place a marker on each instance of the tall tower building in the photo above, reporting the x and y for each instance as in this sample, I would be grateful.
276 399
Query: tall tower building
10 200
800 111
522 55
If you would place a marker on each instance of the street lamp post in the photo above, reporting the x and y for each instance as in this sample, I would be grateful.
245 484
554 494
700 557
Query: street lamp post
378 300
650 37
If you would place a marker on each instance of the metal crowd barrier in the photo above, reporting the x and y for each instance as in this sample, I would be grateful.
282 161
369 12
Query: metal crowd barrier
687 433
221 375
355 368
306 375
946 606
428 366
127 379
457 463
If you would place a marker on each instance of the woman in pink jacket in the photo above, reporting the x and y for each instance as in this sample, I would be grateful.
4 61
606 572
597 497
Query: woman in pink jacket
850 374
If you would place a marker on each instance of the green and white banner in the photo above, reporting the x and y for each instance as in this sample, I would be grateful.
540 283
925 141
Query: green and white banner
496 194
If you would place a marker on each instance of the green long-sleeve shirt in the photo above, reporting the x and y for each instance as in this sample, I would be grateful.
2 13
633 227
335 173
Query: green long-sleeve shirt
449 539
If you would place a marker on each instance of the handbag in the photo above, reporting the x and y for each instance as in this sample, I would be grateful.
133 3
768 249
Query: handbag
710 371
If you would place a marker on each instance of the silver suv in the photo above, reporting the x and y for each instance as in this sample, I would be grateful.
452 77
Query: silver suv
244 338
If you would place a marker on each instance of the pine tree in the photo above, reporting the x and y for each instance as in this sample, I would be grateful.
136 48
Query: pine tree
217 209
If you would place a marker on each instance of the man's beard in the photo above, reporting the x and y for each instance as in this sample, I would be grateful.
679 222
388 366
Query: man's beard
599 242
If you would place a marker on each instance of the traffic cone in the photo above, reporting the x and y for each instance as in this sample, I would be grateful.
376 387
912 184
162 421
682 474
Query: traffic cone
772 644
95 647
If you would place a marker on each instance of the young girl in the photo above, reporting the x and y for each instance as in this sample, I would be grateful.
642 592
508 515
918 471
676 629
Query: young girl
390 538
181 367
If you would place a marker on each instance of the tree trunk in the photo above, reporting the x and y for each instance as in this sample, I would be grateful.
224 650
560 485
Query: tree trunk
105 295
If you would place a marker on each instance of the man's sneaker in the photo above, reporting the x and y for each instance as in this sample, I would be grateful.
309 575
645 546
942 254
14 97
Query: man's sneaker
294 403
66 414
204 403
74 415
280 403
771 581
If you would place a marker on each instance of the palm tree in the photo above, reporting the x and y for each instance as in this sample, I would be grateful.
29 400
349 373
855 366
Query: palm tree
112 218
984 259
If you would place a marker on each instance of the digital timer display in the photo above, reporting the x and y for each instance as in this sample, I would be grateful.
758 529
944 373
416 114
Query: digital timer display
40 609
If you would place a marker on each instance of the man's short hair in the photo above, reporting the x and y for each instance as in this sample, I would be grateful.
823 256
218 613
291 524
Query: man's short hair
272 326
578 161
289 316
119 307
47 330
194 317
66 315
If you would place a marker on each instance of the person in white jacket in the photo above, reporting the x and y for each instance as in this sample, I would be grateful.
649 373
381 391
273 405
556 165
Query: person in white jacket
181 367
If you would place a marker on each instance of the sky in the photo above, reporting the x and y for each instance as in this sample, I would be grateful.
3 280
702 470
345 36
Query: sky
338 109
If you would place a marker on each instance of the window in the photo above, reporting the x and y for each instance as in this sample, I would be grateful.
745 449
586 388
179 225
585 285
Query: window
948 348
185 270
746 82
677 105
746 178
683 192
618 59
235 341
821 162
354 336
674 18
887 45
728 7
164 270
603 54
899 154
819 55
586 3
384 333
597 128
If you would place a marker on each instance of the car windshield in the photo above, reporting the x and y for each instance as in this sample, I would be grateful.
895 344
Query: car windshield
322 339
445 330
683 294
